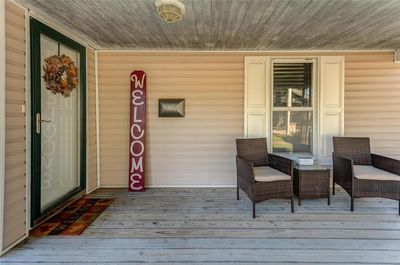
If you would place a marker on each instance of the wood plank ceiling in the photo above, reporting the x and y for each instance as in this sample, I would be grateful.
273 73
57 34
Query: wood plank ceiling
230 24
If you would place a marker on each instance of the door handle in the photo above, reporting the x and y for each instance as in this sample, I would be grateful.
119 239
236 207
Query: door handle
38 122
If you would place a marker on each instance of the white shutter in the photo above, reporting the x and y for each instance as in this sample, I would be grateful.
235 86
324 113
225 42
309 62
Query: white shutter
331 105
256 105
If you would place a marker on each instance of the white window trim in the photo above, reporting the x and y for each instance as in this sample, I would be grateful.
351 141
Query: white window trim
315 101
329 118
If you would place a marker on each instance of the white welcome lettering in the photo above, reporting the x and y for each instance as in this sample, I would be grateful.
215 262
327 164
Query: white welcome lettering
138 83
139 129
137 97
135 179
135 118
141 148
138 165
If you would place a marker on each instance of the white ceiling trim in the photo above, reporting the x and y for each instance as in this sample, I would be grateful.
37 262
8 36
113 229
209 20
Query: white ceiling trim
100 50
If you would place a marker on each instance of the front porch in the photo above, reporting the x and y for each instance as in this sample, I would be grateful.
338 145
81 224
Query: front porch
209 226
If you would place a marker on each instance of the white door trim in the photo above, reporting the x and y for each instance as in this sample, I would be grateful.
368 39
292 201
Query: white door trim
2 114
28 119
98 168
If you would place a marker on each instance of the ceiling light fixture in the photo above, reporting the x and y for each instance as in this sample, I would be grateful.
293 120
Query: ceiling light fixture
170 10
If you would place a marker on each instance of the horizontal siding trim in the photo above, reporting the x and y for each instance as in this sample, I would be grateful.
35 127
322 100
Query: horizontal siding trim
213 83
372 101
213 89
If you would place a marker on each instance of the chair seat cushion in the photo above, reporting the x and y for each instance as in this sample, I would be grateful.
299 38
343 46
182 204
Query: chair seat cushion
373 173
265 174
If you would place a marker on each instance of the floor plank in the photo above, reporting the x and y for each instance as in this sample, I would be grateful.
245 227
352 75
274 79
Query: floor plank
209 226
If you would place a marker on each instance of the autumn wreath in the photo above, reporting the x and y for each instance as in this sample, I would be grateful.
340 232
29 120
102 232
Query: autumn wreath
60 74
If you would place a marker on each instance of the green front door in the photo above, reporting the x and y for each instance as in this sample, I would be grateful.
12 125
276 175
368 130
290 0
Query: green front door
58 118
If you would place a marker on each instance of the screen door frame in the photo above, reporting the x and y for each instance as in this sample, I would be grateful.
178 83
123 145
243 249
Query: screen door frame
37 29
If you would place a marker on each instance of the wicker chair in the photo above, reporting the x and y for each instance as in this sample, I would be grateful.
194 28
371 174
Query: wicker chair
362 174
260 175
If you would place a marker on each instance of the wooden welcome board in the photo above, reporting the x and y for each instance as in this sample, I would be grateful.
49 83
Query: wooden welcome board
137 139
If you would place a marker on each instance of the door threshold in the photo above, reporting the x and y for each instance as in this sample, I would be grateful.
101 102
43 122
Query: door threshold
57 209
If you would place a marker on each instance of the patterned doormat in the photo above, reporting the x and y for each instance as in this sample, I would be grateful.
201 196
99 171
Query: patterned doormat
74 219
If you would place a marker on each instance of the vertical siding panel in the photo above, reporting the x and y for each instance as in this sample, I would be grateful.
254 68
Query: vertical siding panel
15 162
91 97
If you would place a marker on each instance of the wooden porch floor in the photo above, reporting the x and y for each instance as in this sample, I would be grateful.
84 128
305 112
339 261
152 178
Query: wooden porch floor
208 226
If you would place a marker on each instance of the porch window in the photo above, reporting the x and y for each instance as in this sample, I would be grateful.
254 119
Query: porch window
293 107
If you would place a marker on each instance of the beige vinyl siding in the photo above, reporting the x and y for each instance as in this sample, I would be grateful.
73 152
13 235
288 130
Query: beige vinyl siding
372 101
195 150
15 162
91 98
199 149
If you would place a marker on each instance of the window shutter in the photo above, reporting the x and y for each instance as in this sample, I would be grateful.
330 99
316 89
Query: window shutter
256 122
331 105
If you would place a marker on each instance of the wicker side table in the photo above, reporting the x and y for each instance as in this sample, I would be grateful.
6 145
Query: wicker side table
311 182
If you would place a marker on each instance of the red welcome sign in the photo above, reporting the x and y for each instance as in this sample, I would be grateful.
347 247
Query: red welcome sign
137 139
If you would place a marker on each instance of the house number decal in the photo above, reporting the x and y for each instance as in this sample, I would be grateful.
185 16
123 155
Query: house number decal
137 139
